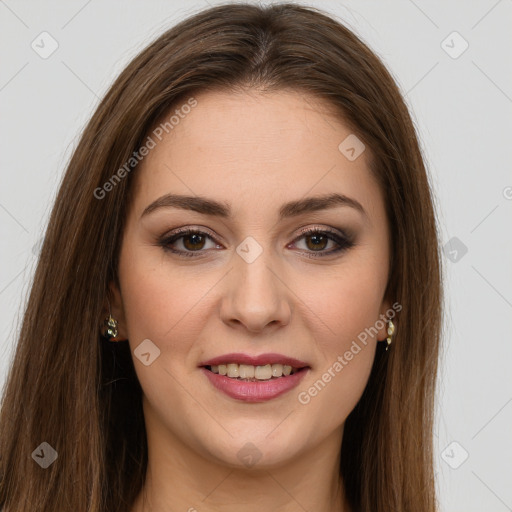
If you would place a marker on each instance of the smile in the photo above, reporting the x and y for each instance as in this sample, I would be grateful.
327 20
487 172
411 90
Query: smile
253 373
251 378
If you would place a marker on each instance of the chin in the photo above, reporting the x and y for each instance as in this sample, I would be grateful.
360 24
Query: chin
258 450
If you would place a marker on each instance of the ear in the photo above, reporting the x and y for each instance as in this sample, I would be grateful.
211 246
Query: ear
116 309
384 316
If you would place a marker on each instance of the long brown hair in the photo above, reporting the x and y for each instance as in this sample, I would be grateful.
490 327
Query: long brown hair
78 393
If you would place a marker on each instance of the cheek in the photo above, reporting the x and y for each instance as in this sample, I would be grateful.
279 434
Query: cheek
345 309
157 296
327 399
165 305
345 312
343 304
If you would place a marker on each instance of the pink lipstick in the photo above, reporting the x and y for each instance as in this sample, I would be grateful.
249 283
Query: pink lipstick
254 378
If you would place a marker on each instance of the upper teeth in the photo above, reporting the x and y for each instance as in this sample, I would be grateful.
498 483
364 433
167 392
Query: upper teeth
248 371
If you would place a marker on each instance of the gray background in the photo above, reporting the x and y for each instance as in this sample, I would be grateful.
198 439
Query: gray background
462 108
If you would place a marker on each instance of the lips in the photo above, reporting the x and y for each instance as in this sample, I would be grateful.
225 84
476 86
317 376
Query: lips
254 378
260 360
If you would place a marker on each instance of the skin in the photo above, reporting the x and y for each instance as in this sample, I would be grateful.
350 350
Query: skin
254 151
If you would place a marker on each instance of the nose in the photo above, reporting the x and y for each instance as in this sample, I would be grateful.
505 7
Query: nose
256 295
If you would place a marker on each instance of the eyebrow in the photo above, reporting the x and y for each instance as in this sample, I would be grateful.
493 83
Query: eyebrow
207 206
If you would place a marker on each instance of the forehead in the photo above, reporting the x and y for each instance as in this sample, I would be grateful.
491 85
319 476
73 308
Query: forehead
252 149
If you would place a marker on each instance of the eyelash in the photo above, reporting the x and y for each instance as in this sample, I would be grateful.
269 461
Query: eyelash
344 242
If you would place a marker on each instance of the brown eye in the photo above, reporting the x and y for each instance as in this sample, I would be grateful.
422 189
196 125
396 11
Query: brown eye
196 241
192 243
318 242
187 242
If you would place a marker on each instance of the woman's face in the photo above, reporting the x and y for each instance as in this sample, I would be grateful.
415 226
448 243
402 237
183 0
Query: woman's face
252 283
